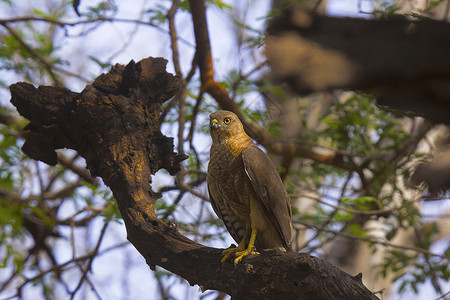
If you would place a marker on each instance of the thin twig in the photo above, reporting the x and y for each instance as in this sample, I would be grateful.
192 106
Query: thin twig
88 21
331 215
74 260
46 64
91 259
353 211
173 36
88 280
371 240
131 35
82 172
174 205
443 296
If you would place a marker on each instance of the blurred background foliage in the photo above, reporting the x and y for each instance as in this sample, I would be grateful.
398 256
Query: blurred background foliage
363 216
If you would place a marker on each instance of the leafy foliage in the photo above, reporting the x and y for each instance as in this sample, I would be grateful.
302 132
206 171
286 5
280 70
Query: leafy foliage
381 146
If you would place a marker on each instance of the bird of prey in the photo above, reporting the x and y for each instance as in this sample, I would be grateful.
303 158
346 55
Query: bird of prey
246 190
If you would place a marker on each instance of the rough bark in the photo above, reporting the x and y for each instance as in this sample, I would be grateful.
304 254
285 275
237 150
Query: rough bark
405 63
113 124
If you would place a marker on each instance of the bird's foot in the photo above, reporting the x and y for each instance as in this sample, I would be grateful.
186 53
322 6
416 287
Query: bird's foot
227 252
240 254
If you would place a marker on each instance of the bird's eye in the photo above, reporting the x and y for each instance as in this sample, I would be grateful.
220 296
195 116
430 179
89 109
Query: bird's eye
227 120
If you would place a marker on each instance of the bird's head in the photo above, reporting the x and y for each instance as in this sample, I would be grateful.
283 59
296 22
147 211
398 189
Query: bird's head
225 124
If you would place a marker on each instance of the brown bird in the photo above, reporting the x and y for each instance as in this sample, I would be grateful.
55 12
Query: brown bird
246 190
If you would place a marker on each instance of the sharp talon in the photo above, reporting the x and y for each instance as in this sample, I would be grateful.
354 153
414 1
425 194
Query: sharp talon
227 252
241 254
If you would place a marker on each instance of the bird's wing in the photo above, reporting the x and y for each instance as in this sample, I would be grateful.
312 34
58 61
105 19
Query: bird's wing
270 190
224 215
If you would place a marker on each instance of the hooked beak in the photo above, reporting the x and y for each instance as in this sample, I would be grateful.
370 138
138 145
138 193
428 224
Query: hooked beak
214 124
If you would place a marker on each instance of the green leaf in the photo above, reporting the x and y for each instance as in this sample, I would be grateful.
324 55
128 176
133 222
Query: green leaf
220 4
103 65
343 215
357 230
43 216
11 213
157 15
112 212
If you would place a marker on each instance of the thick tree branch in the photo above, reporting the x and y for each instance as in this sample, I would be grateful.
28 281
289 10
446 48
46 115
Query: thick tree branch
113 124
406 63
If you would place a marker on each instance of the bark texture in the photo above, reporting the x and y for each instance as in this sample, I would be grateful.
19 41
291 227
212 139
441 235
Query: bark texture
113 124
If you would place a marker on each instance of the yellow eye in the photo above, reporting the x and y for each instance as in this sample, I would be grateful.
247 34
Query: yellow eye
227 120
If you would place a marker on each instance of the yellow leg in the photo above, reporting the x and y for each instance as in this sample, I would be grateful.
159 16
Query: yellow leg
227 252
250 249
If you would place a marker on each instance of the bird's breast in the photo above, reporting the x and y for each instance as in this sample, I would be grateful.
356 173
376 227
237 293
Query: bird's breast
232 187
